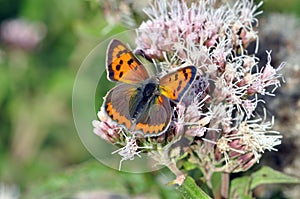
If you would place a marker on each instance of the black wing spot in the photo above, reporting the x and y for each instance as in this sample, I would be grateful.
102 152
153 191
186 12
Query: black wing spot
176 77
120 74
186 75
178 88
118 67
130 61
121 62
174 93
120 53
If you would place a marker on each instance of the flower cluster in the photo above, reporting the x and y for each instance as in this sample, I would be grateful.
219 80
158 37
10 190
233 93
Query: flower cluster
121 12
22 34
216 123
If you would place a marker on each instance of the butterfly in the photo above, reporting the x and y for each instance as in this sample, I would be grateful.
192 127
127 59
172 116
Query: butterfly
141 103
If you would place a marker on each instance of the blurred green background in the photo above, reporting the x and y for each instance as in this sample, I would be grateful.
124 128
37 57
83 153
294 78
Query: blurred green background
38 138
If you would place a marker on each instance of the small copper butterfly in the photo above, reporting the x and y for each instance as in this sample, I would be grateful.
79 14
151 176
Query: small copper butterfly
141 103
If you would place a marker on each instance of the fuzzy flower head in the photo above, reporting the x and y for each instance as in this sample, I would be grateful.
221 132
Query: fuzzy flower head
20 33
216 122
198 33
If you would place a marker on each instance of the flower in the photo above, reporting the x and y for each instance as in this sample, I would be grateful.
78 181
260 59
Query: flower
129 151
198 33
246 143
216 124
266 78
22 33
106 128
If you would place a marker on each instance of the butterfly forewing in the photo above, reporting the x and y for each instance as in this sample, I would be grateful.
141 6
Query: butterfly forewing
175 84
122 65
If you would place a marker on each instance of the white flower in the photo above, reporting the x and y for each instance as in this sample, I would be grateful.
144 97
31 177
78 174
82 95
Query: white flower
258 137
129 151
266 78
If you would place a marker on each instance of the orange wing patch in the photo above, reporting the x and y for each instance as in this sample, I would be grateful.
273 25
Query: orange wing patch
150 129
174 85
116 116
122 65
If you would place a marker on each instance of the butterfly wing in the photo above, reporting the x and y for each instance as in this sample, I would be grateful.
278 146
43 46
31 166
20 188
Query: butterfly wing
117 104
175 84
122 65
156 118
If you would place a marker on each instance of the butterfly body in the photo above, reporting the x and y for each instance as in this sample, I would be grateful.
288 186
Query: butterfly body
144 97
141 103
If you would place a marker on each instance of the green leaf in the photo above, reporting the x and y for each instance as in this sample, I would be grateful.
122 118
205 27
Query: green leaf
188 166
91 176
267 175
190 190
84 177
240 187
216 182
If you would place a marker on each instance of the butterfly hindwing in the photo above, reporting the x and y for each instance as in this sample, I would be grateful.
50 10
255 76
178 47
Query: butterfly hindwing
175 84
122 65
116 107
157 117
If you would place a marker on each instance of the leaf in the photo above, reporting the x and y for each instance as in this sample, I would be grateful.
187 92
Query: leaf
84 177
240 187
188 166
216 183
190 190
267 175
91 176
